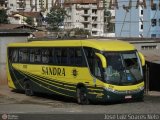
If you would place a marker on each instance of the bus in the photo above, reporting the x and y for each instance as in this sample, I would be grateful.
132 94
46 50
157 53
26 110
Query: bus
86 70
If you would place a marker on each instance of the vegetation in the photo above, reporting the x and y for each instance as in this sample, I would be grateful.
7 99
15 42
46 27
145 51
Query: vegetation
109 25
3 17
55 18
29 21
80 32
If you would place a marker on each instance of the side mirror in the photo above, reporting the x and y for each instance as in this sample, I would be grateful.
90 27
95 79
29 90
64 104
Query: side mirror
141 56
103 59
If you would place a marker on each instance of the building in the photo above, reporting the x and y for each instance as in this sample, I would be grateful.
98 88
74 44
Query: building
109 18
128 19
150 48
11 33
43 6
86 14
138 18
21 18
151 19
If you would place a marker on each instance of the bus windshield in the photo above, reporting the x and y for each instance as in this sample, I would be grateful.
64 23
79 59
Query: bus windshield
123 68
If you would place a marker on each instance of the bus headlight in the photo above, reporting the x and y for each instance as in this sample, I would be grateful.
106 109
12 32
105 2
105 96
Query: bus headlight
109 89
141 88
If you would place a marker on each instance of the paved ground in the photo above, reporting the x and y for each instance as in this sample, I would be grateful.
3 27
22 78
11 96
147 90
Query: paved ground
19 103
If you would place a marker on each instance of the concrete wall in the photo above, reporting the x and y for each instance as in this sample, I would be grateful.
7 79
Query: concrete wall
4 41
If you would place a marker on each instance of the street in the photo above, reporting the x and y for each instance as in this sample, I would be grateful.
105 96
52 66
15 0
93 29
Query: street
18 103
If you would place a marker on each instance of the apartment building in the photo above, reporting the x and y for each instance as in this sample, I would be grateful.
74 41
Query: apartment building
151 19
87 14
109 18
138 18
30 5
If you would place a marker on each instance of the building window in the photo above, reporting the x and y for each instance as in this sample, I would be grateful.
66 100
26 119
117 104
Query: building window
153 35
141 12
154 6
94 18
153 22
94 32
94 11
94 25
141 27
159 22
85 18
85 11
85 25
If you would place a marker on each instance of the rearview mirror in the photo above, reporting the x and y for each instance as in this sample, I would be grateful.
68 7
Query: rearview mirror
103 60
141 56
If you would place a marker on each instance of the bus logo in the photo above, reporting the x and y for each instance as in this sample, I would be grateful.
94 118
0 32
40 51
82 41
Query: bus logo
74 72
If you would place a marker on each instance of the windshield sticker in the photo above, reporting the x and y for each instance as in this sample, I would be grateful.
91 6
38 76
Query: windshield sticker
129 78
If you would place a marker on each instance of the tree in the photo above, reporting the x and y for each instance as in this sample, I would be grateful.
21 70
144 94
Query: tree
55 18
3 17
29 21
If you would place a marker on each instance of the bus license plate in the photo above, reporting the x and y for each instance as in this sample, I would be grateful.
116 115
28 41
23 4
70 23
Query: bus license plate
128 97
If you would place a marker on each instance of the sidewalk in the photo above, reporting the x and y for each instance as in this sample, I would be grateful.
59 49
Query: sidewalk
154 93
6 91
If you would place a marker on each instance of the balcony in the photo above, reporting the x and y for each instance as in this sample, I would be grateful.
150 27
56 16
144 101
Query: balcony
20 8
85 14
20 1
94 6
85 21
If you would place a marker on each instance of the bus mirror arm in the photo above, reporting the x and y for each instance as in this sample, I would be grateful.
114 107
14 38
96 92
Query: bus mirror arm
141 56
103 60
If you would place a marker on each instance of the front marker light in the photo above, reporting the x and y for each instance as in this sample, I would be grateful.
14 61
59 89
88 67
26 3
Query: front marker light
141 88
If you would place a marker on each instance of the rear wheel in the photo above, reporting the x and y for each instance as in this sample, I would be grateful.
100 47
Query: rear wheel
27 88
82 96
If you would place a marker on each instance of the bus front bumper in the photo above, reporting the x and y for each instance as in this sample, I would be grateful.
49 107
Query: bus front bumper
110 96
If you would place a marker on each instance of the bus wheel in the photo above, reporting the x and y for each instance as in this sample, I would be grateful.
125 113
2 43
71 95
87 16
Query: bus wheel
27 88
82 96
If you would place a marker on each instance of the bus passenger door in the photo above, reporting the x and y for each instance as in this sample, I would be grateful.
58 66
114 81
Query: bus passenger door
94 65
97 72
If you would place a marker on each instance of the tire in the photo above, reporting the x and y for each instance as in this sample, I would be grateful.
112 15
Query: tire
82 96
27 89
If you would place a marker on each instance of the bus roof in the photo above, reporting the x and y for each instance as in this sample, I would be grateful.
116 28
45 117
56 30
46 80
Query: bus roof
103 45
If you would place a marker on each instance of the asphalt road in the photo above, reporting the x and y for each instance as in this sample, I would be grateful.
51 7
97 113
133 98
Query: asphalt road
13 103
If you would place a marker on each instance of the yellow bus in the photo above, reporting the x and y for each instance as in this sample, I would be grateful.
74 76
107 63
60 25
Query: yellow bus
88 70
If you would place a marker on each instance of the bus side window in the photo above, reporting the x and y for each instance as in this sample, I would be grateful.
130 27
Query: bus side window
32 55
13 55
71 56
78 57
64 56
23 55
58 55
37 56
90 58
45 55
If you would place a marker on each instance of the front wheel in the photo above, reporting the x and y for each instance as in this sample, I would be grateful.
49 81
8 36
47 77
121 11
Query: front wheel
27 89
82 96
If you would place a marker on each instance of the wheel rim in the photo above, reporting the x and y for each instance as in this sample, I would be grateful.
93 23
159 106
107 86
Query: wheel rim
82 96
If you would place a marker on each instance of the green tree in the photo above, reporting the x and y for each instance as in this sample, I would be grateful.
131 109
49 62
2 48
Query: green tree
55 18
3 17
29 21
